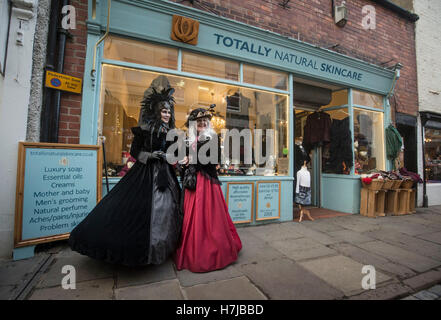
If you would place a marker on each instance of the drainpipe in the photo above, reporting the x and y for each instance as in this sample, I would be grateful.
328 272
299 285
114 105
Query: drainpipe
59 68
46 114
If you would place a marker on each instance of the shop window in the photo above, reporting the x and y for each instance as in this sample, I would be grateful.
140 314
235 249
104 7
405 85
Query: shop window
367 99
339 98
133 51
432 154
210 66
265 77
337 156
368 141
236 108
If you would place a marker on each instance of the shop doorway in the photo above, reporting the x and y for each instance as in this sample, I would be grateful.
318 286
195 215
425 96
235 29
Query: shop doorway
314 165
310 98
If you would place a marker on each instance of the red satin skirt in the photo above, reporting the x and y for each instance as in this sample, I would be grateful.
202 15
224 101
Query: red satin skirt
209 240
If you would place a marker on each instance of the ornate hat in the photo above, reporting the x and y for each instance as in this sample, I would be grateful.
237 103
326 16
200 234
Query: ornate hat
200 113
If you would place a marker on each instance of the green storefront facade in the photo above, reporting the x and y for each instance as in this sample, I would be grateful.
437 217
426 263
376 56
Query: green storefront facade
249 48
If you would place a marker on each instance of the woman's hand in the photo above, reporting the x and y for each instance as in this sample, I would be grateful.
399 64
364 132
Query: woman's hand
184 161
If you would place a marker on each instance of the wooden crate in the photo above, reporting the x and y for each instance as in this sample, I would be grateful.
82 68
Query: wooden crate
388 184
407 184
372 202
376 184
380 203
412 201
397 184
403 201
392 201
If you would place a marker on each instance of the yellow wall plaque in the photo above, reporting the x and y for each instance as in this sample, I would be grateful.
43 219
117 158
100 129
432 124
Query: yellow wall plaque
63 82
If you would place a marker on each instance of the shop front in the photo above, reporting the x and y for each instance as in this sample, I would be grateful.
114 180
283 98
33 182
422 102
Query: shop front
257 80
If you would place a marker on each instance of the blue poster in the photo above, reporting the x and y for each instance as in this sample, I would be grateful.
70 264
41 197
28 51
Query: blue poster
268 200
240 201
60 189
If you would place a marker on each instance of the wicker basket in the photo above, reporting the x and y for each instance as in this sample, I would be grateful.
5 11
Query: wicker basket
407 184
376 184
388 184
397 184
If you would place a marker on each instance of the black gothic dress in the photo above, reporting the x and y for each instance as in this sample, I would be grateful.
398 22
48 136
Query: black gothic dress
139 221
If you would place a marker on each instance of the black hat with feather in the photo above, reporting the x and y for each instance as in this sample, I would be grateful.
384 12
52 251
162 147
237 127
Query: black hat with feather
156 101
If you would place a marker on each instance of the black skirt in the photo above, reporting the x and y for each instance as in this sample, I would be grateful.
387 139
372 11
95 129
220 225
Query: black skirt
135 223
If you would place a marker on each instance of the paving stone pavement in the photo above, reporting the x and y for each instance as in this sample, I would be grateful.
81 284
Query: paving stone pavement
321 259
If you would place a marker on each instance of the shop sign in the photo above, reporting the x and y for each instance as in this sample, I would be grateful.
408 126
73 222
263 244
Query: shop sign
287 57
240 200
57 186
268 200
63 82
185 30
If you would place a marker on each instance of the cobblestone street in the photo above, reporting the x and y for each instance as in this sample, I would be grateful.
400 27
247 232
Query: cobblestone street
319 259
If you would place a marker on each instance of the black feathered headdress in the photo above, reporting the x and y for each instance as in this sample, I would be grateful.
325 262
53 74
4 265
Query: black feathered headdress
152 105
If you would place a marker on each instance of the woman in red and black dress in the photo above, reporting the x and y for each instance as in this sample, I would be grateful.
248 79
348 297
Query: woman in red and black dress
209 240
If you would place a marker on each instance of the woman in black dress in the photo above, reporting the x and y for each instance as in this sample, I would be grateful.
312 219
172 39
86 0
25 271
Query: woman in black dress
139 221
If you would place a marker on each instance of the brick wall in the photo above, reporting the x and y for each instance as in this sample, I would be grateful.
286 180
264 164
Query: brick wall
75 56
311 21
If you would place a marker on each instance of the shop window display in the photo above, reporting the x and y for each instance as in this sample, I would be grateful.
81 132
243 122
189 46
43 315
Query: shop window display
265 77
122 90
339 98
133 51
337 156
209 66
432 154
366 99
368 141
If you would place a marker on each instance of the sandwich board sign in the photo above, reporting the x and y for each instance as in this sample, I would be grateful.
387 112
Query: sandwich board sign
57 186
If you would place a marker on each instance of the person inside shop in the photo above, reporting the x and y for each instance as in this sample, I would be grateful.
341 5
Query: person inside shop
209 240
139 221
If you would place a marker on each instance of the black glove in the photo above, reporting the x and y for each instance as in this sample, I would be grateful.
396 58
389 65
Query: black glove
156 155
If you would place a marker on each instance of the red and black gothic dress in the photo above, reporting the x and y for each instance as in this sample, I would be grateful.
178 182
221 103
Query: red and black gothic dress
209 240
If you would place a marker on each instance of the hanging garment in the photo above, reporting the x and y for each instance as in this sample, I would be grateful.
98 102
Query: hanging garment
317 130
340 149
303 187
393 142
415 177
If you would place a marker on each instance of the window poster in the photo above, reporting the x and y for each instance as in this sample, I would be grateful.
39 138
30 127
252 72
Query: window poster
268 200
240 200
